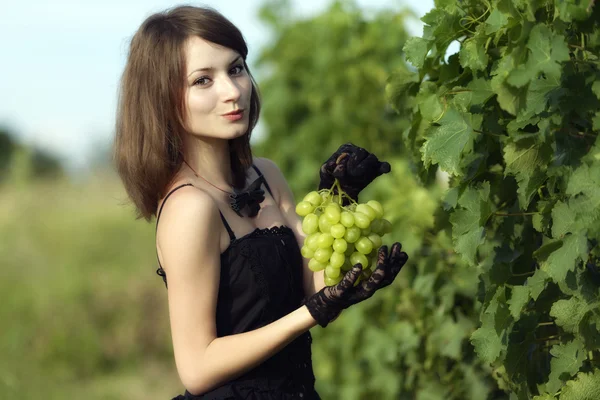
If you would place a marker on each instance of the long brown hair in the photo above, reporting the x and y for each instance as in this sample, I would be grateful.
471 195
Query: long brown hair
150 115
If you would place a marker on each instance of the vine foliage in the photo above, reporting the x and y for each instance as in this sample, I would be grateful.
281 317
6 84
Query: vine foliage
514 118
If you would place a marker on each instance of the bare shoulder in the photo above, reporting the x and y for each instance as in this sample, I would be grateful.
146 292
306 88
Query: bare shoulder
188 216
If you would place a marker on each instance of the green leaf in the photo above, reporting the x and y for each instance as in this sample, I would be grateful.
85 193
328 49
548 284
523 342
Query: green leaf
596 89
538 93
429 102
416 49
569 313
495 21
547 51
519 297
511 99
569 10
565 258
486 341
524 160
567 360
537 283
472 54
583 387
468 222
447 142
563 219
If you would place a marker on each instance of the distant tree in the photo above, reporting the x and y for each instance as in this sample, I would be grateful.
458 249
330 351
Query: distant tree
42 164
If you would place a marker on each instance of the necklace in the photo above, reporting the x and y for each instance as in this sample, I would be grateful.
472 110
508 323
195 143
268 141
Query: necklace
245 201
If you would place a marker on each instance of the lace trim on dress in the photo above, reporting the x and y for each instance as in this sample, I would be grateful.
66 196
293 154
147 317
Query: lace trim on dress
258 232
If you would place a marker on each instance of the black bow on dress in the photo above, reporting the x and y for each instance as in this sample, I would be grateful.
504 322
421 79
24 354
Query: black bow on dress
249 198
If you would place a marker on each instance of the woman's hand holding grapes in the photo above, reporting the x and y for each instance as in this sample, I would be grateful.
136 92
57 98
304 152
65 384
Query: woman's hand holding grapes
328 303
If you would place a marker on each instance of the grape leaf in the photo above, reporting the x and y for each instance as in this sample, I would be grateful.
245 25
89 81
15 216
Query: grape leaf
524 160
563 219
416 49
467 222
537 283
583 387
564 259
511 99
486 340
495 21
548 50
568 313
472 54
447 142
519 297
567 360
538 93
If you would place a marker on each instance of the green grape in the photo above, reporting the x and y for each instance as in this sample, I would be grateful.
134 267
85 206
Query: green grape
323 255
311 241
335 199
375 205
340 246
361 220
386 226
332 272
324 225
304 208
332 212
307 252
366 231
352 234
376 239
346 266
359 258
367 210
325 240
338 231
349 249
364 245
366 273
310 224
333 281
346 219
315 265
337 260
376 226
314 198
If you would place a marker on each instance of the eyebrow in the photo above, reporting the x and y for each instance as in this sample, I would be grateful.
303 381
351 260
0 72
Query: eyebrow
211 68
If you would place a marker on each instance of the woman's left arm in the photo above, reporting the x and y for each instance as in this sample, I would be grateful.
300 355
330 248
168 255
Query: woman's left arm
312 281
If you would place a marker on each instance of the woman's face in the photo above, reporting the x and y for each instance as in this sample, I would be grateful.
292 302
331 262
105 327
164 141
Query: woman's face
216 83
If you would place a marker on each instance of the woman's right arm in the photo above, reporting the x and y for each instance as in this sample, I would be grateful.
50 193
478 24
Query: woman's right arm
189 247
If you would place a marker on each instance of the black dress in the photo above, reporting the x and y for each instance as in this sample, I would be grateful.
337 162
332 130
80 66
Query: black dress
261 281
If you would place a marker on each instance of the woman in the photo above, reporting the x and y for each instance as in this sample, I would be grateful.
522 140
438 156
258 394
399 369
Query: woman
241 297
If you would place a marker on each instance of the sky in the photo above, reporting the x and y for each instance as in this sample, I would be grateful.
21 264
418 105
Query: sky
61 60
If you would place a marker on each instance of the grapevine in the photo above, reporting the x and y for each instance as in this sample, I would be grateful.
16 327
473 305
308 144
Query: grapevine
514 119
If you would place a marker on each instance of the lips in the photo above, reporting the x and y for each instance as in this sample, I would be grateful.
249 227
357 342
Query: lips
236 112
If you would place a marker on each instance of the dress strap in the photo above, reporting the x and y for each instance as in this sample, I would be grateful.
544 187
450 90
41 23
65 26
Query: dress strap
165 200
160 271
231 234
263 179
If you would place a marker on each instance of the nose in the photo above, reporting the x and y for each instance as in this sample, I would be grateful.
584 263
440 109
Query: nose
230 90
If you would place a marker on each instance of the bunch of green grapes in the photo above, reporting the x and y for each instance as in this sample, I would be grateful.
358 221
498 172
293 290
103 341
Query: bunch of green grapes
338 237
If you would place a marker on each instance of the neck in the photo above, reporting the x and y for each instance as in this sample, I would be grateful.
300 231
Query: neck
209 158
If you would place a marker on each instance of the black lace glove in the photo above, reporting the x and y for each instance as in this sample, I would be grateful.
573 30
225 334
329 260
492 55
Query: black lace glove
354 171
328 303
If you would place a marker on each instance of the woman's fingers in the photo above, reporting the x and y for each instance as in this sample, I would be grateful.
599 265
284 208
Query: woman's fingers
350 278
